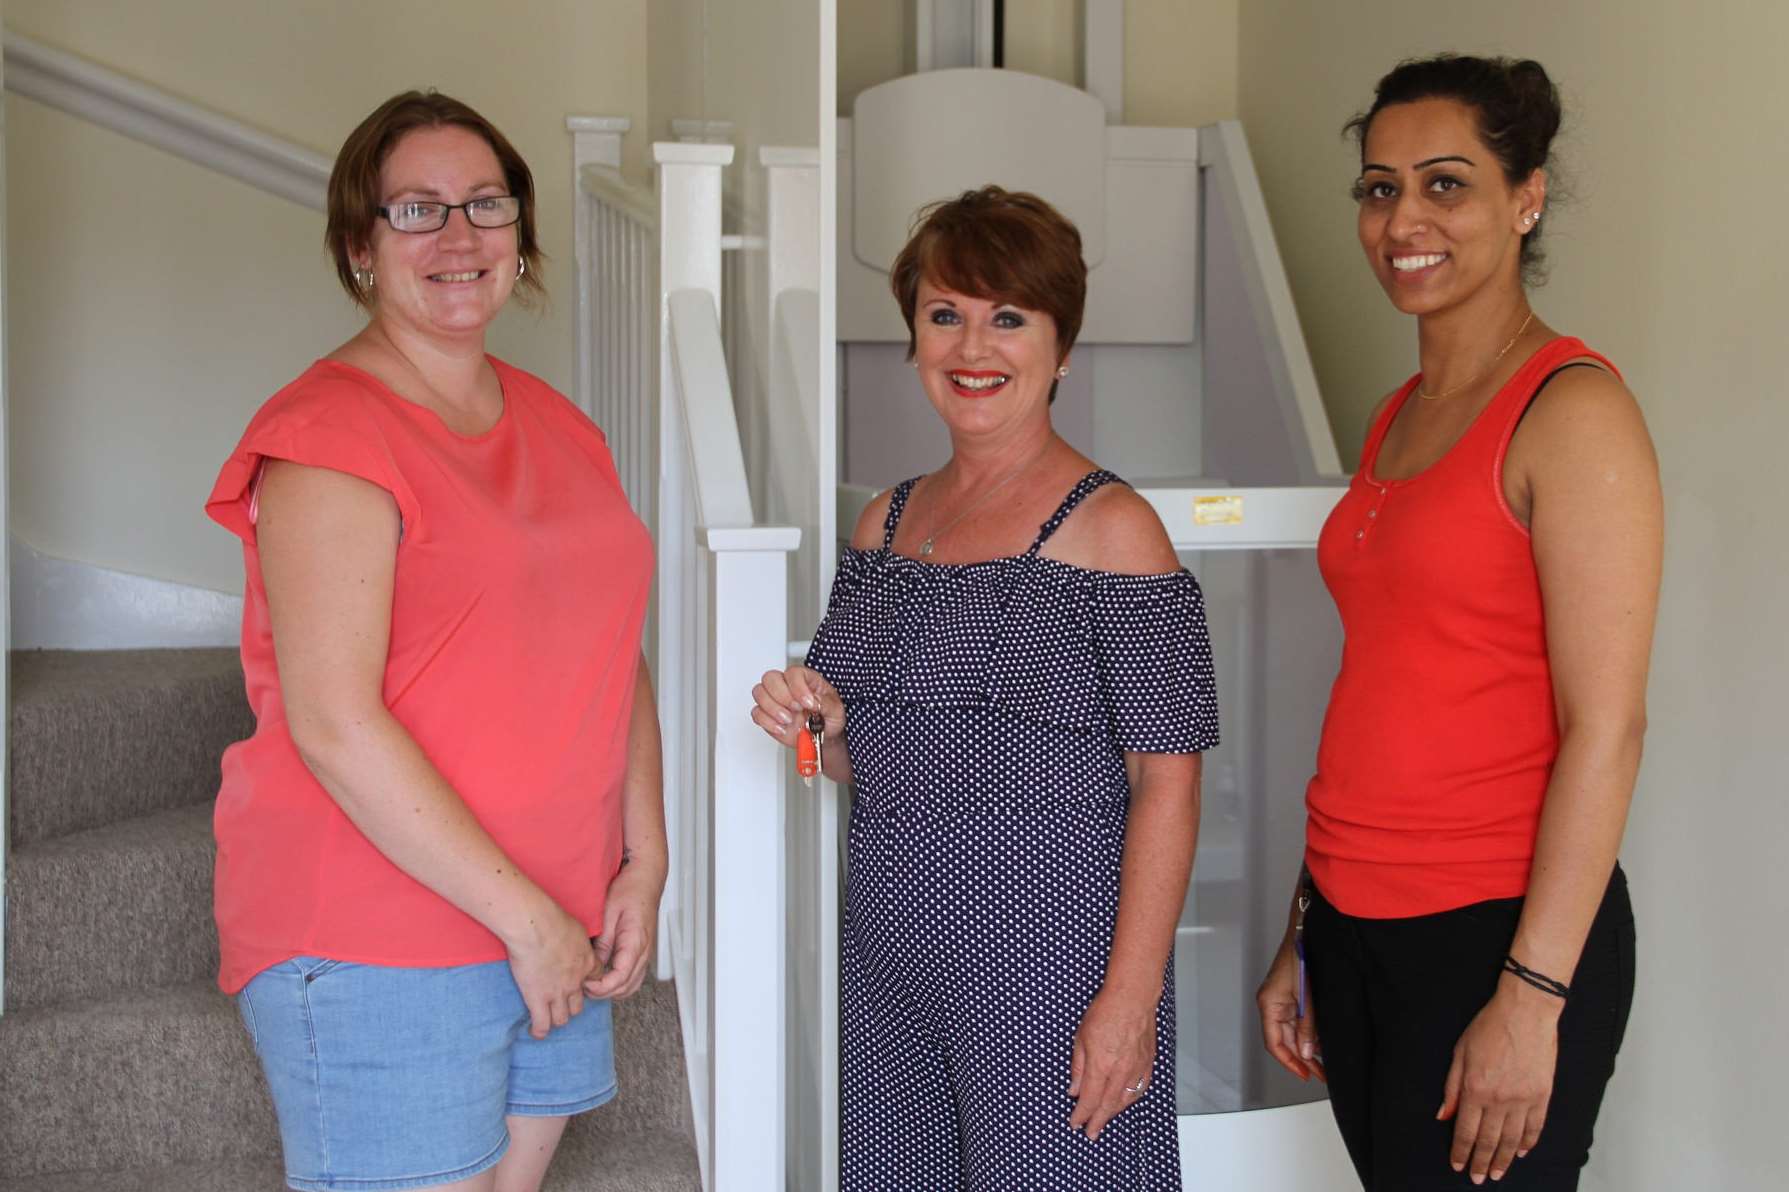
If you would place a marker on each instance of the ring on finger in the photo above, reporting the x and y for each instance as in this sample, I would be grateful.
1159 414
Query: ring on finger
1138 1089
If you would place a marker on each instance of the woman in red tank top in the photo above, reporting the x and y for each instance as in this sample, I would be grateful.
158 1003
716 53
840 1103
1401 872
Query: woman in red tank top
1495 562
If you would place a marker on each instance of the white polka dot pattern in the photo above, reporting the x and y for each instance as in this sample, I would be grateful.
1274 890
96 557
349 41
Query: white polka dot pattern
989 707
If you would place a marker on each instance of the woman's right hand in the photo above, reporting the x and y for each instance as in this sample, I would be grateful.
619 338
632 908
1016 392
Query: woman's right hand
550 959
783 699
1290 1038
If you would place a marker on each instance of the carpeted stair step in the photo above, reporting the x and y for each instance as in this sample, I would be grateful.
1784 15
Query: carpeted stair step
148 1079
266 1175
663 1162
649 1067
167 1076
111 910
655 1161
104 735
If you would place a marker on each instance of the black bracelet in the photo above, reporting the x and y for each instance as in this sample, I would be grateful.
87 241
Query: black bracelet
1540 981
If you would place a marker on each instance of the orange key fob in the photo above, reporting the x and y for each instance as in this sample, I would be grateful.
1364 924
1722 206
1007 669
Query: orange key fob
807 747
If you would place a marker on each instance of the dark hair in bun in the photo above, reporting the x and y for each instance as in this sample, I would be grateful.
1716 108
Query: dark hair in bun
1516 104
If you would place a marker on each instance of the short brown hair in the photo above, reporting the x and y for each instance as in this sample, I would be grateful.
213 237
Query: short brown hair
354 196
1000 245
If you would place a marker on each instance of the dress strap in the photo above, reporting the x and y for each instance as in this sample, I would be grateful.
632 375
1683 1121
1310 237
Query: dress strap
897 505
1084 488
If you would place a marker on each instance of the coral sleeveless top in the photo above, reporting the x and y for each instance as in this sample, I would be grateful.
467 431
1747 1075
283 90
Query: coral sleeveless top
1441 733
521 588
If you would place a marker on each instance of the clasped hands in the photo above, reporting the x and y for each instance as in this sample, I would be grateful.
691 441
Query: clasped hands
556 966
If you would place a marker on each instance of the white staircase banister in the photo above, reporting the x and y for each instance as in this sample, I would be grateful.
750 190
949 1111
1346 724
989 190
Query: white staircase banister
716 464
605 182
154 117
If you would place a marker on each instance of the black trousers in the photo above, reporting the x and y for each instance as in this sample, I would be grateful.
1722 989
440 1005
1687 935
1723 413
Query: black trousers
1393 996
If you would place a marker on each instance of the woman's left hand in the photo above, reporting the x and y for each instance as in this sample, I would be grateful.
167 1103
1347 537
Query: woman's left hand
1501 1080
1114 1048
625 949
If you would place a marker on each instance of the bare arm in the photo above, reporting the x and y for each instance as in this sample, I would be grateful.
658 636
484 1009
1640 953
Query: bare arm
1597 523
1598 526
328 544
630 910
1117 530
1115 1046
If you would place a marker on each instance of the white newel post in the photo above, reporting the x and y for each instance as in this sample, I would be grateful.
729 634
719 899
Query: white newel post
689 251
750 566
792 217
804 464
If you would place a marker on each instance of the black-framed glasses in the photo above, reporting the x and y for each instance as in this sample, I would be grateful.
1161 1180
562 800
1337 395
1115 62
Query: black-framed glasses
490 211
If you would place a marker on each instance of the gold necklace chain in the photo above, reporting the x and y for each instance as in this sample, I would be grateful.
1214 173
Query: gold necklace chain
925 548
1484 372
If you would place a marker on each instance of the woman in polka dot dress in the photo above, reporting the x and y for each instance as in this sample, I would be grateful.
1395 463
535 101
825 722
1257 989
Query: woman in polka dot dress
1015 675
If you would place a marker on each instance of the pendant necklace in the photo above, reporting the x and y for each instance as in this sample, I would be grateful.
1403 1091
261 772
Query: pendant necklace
1484 372
925 548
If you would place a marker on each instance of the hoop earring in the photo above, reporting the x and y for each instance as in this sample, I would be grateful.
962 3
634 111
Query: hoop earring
521 267
364 277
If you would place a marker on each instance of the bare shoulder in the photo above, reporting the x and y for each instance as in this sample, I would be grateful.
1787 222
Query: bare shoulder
1583 415
1114 529
867 534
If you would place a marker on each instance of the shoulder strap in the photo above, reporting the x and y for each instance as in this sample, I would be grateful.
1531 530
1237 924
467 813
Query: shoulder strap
1084 488
1549 361
897 504
1369 451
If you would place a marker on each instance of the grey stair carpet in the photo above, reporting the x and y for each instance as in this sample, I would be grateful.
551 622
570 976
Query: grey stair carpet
661 1162
142 1080
103 735
121 1065
111 910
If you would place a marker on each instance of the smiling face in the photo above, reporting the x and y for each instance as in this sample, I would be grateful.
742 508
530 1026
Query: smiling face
986 365
1438 220
451 283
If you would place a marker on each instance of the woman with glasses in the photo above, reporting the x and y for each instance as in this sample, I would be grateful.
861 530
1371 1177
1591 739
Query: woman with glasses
442 850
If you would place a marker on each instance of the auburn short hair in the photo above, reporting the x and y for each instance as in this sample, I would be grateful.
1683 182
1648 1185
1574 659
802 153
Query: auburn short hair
998 245
354 196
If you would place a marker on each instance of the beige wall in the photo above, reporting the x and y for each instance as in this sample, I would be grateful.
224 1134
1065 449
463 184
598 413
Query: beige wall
1179 55
1180 62
1671 259
675 46
155 304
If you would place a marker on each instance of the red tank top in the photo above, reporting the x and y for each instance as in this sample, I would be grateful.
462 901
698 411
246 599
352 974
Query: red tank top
1441 732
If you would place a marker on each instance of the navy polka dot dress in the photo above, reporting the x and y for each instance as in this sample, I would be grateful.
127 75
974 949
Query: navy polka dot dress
989 707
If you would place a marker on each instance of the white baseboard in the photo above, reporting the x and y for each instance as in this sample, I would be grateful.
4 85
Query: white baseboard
63 605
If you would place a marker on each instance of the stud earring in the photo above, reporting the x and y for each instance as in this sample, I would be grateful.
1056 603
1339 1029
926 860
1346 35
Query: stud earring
1062 372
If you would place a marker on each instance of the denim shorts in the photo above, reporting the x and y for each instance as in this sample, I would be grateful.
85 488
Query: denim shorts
388 1077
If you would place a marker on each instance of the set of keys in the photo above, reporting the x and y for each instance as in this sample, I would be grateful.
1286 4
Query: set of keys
808 746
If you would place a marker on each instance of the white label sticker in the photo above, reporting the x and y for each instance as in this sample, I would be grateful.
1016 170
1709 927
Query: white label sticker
1217 511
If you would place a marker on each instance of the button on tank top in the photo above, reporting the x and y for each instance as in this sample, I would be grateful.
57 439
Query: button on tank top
1441 731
